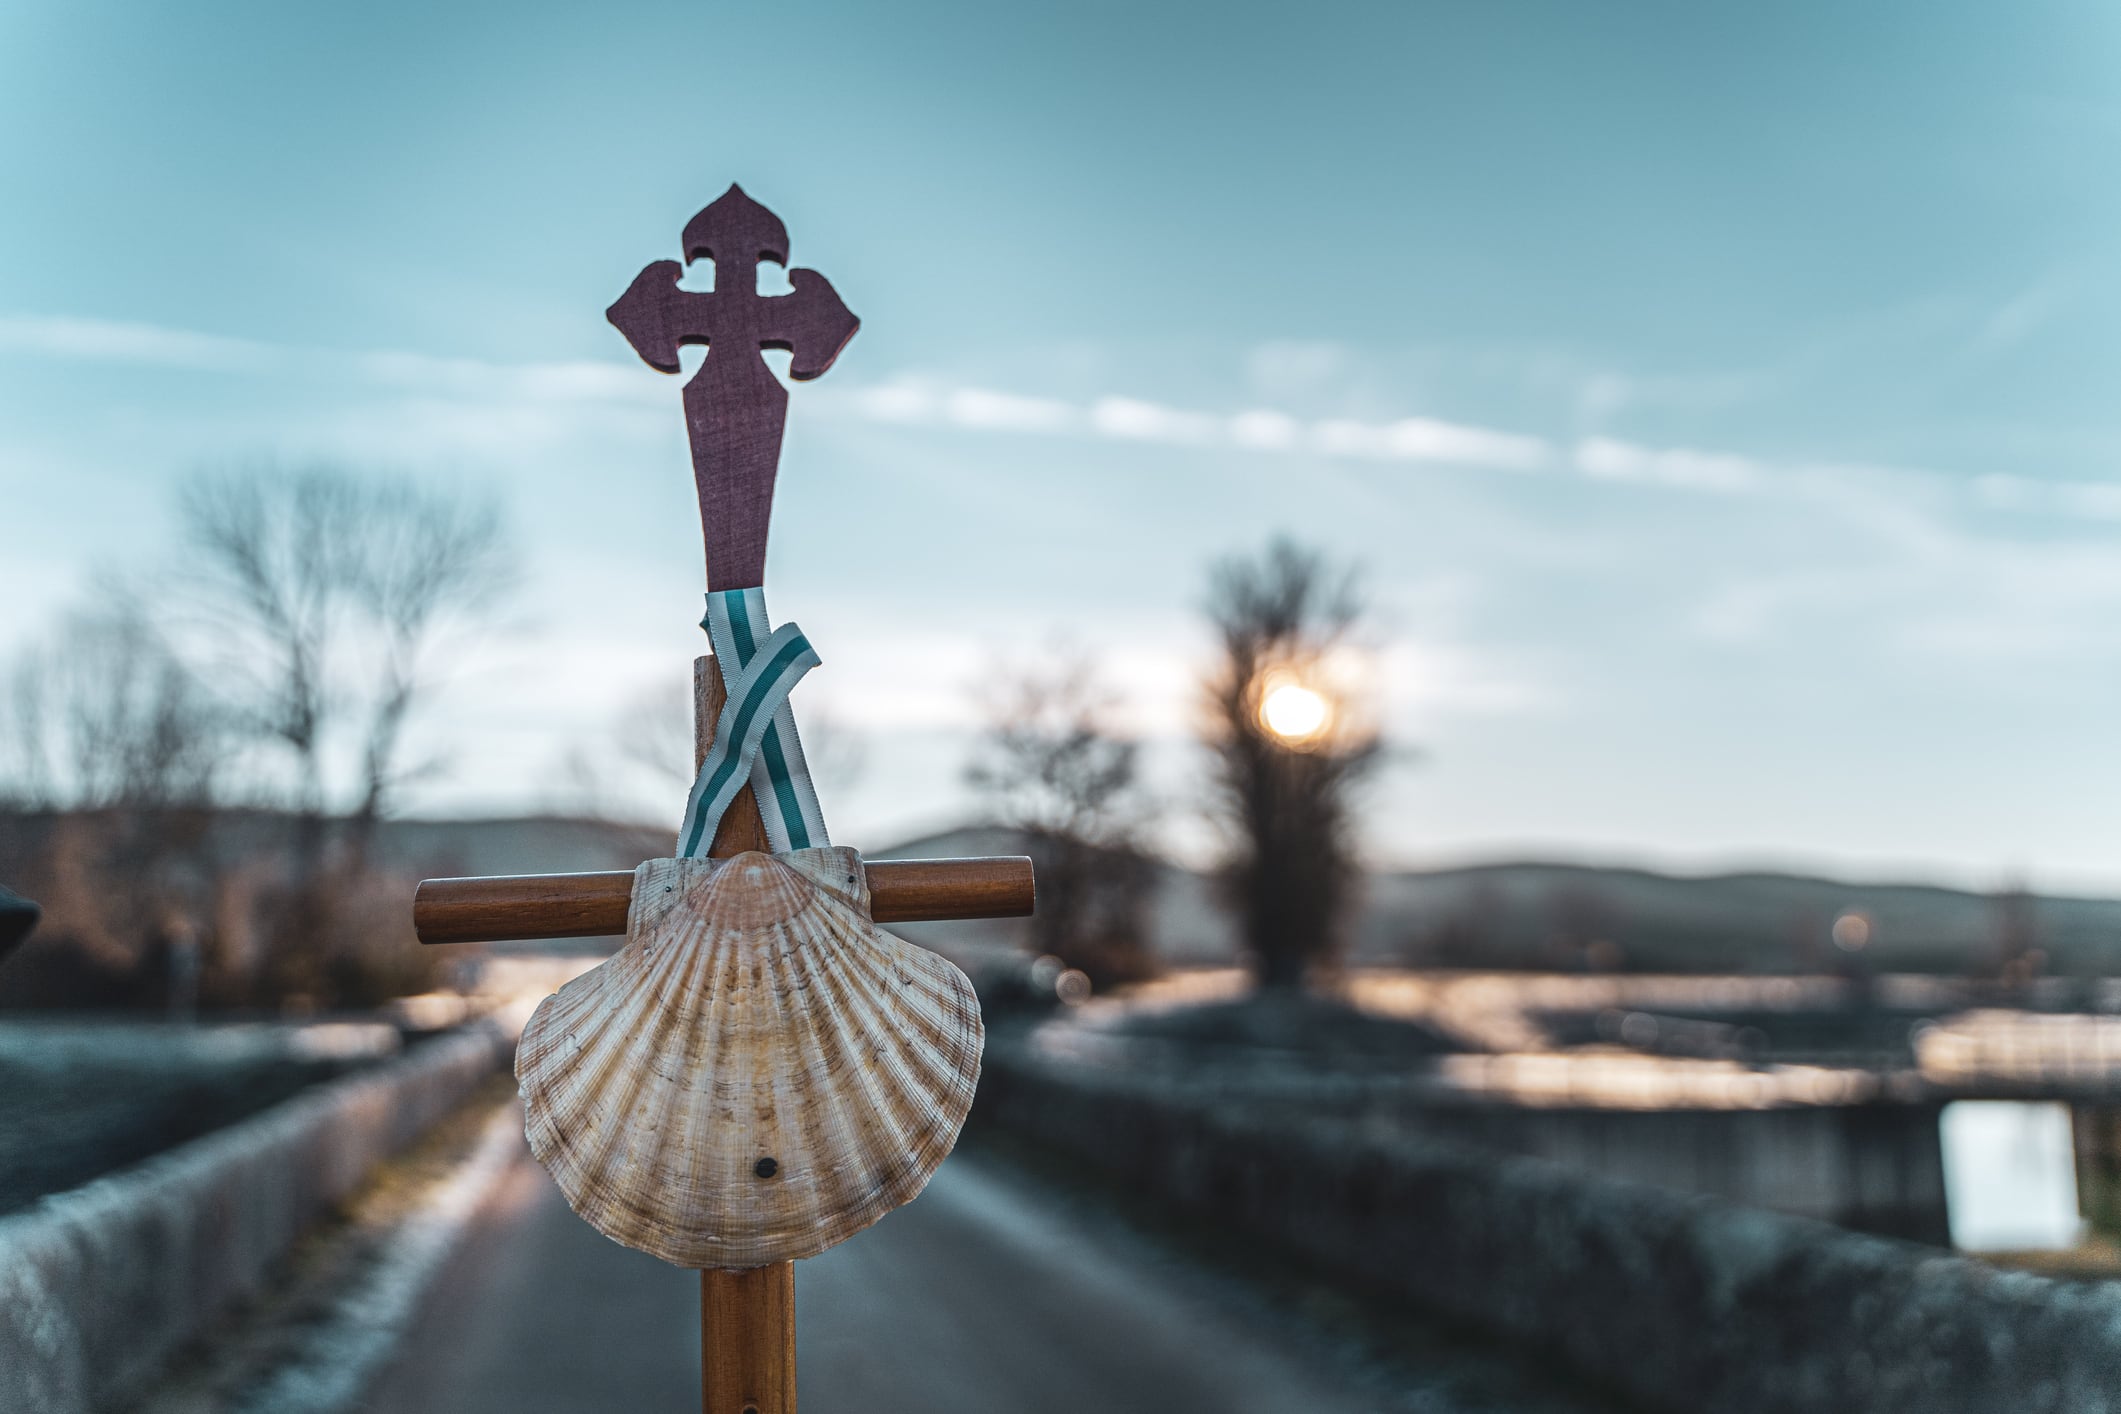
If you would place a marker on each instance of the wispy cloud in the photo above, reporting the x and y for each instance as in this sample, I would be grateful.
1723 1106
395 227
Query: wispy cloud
1411 439
2089 500
983 409
1608 459
909 401
1424 439
2024 313
617 389
1132 420
581 381
115 341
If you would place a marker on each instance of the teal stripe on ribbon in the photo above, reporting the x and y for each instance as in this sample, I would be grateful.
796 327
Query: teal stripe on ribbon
740 626
736 621
784 790
755 688
778 775
754 697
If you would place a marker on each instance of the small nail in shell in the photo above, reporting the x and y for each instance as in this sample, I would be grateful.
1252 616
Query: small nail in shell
759 1073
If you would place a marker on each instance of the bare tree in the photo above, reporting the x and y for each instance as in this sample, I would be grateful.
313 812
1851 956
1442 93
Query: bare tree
302 635
1284 787
1054 768
321 596
317 602
116 754
426 560
104 715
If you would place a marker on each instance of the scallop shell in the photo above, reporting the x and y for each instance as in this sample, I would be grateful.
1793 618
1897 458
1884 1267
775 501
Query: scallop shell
759 1073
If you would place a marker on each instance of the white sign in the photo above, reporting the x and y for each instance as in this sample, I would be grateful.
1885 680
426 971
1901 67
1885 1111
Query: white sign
2010 1176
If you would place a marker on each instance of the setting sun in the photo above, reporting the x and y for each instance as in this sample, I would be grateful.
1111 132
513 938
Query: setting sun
1294 713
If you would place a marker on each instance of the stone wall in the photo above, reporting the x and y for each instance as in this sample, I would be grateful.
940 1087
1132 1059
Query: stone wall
1679 1303
99 1285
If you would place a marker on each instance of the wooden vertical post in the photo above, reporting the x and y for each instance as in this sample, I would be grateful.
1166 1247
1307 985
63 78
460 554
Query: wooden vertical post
747 1319
747 1341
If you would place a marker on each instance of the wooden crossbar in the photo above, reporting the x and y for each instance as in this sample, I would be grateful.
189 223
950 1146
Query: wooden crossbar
523 906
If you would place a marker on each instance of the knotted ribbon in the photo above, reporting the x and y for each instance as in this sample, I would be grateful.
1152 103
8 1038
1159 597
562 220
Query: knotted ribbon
754 736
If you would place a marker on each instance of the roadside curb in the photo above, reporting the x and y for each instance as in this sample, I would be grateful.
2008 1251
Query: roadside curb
99 1285
339 1359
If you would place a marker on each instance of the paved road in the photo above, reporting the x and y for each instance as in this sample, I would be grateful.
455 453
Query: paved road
980 1297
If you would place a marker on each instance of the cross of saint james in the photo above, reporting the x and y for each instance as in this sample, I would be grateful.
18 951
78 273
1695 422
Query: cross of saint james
735 409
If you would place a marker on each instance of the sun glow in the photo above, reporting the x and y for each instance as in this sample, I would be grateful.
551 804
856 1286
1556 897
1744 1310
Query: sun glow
1295 713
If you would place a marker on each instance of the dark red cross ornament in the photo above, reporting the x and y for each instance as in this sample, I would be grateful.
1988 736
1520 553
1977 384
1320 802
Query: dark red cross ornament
735 408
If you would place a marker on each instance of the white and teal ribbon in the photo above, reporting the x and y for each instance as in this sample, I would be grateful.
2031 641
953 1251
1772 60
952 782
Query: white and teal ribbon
758 687
755 740
737 626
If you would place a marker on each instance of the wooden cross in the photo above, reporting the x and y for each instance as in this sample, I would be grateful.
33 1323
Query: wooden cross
735 409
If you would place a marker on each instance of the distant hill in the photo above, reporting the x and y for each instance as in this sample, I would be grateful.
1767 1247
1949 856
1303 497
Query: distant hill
1541 915
1534 914
1513 914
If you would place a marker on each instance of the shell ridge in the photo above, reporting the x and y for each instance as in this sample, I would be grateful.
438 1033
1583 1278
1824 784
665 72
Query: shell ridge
709 1060
605 1059
689 1052
923 1072
927 1012
832 1025
755 1012
556 1049
921 1134
635 1062
884 1057
805 1108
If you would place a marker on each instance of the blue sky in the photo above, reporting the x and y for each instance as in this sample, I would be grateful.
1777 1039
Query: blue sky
1721 399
